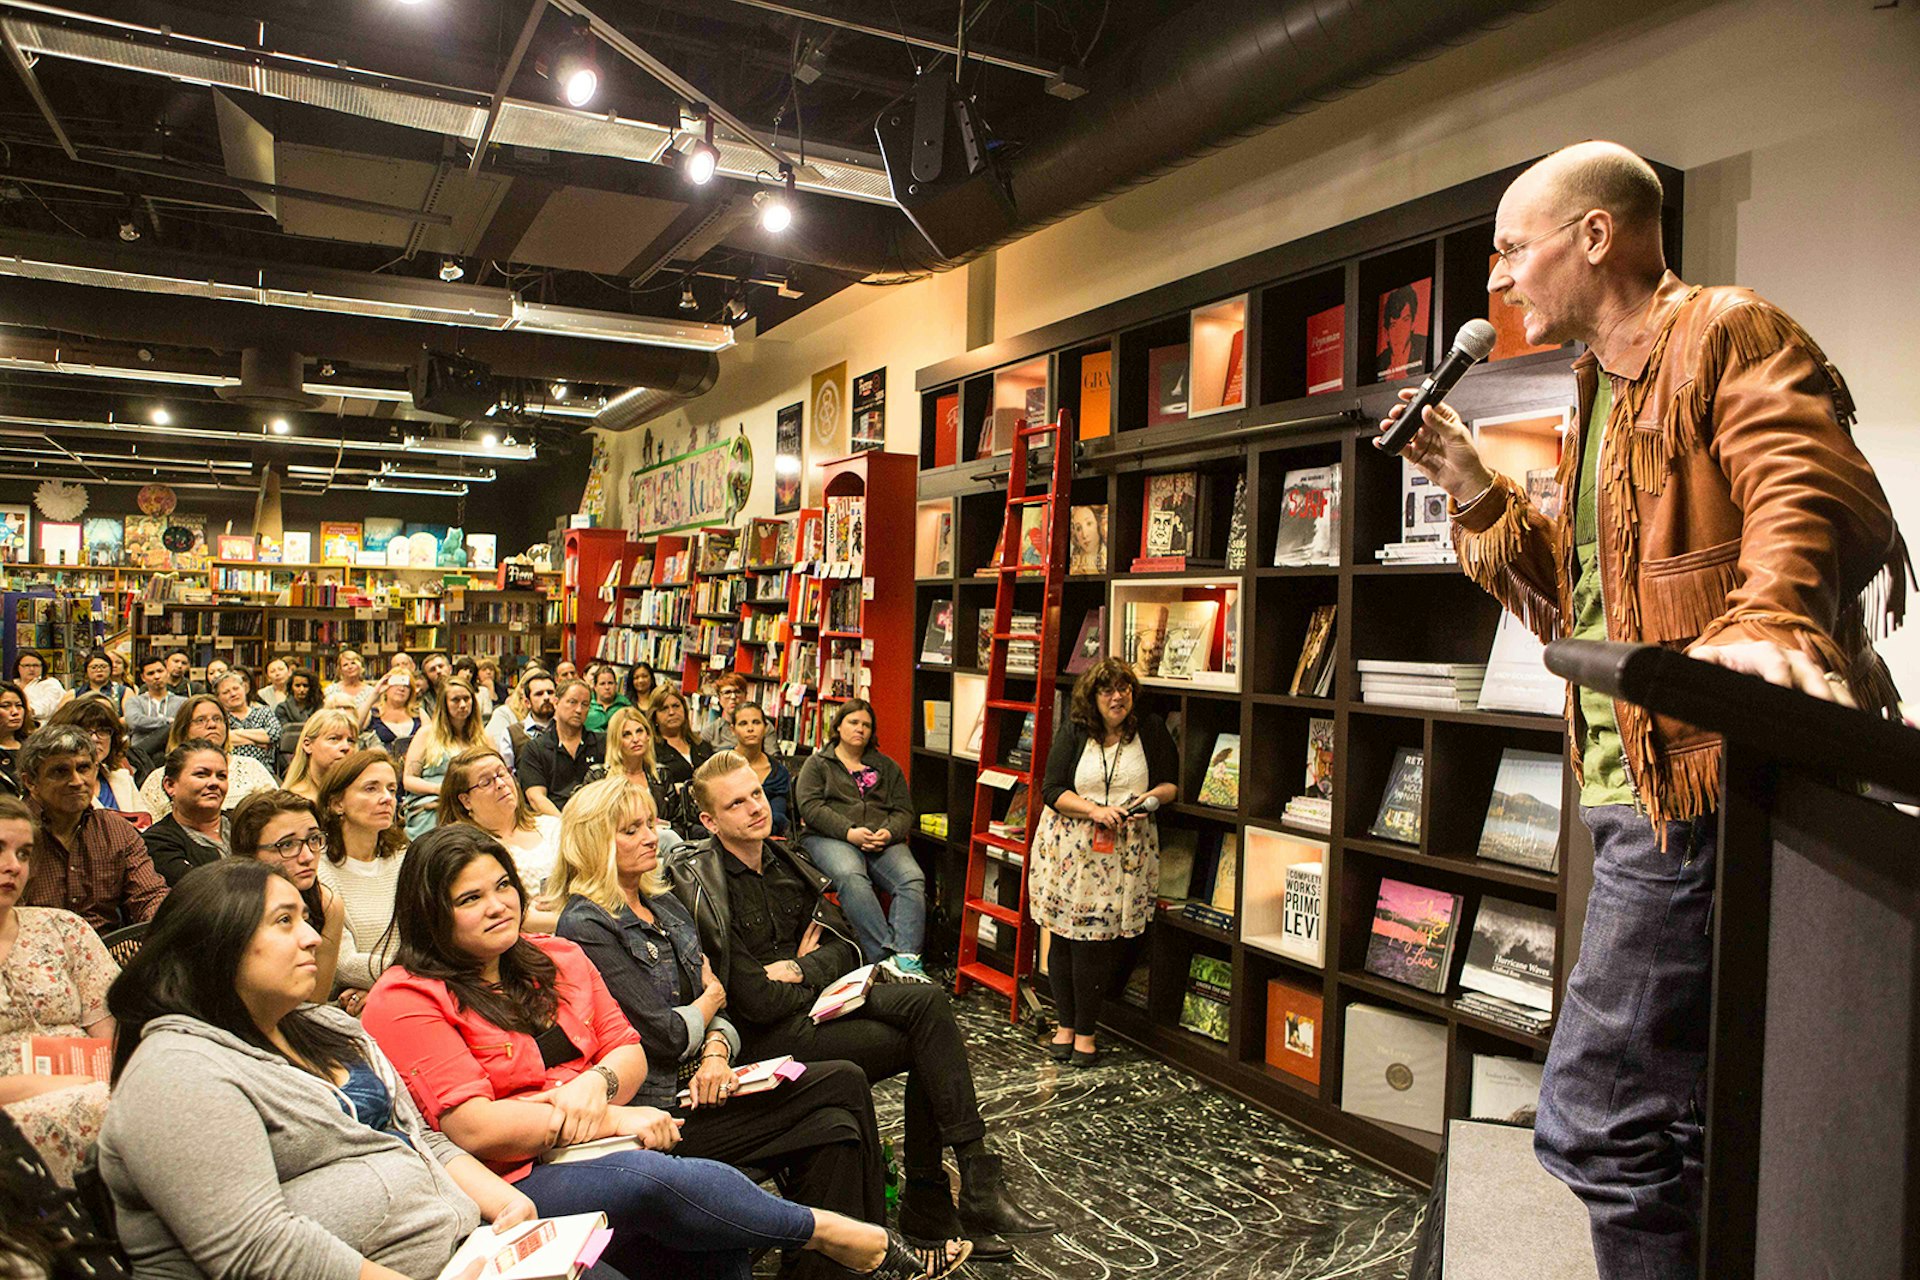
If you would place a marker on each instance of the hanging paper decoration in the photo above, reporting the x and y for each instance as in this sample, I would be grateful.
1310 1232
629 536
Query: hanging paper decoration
156 499
60 500
177 539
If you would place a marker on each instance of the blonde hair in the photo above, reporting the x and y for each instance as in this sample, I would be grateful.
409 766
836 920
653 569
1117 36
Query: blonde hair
342 655
300 769
616 754
588 825
440 739
717 765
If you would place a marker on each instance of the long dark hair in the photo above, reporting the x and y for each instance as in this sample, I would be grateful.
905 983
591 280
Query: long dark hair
27 724
527 997
190 960
316 696
1084 707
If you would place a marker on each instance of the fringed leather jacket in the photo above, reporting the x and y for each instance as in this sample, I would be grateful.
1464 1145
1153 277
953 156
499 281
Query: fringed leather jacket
1733 506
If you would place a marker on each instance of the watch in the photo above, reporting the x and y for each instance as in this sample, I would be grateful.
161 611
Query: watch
611 1077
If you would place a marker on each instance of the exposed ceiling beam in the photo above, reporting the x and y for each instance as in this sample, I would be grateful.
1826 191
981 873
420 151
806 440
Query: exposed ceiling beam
901 35
24 69
536 9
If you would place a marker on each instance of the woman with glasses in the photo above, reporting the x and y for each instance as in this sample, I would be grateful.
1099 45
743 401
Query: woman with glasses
202 716
282 829
479 789
97 678
44 693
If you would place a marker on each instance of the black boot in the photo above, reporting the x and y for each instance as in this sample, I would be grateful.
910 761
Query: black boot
927 1217
985 1205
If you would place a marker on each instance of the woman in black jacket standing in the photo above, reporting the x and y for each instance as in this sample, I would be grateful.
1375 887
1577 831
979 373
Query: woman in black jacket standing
1095 865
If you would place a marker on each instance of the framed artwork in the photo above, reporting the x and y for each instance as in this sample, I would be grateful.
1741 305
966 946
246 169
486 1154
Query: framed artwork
826 424
787 459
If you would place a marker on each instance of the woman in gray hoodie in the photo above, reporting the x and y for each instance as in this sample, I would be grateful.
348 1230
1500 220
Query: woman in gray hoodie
251 1134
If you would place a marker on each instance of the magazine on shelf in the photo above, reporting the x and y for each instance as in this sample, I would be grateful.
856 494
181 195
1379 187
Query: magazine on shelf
1394 1067
1503 1088
1091 644
1170 515
1326 350
1087 539
1510 954
937 645
1293 1029
1309 524
1517 678
1220 784
1413 934
1522 826
1399 816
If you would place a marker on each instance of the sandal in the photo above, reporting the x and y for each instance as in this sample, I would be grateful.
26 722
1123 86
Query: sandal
904 1262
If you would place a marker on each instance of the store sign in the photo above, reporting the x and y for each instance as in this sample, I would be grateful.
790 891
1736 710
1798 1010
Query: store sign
706 486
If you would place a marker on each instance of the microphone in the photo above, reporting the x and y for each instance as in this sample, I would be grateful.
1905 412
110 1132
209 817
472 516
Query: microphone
1470 346
1145 804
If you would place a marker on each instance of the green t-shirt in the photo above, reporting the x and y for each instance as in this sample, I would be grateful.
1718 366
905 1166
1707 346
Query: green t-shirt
1602 762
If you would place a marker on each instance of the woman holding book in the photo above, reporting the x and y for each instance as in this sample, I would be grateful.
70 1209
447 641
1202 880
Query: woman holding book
202 716
55 972
256 1134
326 738
776 780
818 1131
359 801
512 1046
456 727
282 829
853 803
1094 871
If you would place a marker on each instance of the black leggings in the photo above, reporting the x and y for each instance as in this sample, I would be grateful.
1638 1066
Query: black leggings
1082 975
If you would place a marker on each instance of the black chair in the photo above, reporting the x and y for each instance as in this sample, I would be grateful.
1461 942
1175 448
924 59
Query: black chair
124 943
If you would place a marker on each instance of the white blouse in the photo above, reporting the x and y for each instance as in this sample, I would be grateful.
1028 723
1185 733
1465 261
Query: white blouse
1128 764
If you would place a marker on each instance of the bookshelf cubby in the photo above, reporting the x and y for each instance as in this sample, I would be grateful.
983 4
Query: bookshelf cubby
1419 612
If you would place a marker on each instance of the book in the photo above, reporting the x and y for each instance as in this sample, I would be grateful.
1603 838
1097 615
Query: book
1543 491
1221 783
1293 1029
1087 539
1326 350
1319 780
1509 324
297 545
946 430
1204 1007
1405 321
1316 650
936 727
339 541
90 1056
764 1076
1187 641
1309 524
1399 816
1393 1067
1237 527
1167 385
937 644
1013 825
580 1152
1517 678
1510 953
1423 509
1413 934
1096 394
1033 535
1170 515
1034 405
1233 393
996 431
1503 1088
1522 825
1087 649
1505 1013
544 1249
234 546
1177 848
943 544
844 994
1303 912
1226 876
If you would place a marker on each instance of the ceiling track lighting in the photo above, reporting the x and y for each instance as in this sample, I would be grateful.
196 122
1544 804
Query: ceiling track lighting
451 270
701 158
579 71
735 310
776 207
129 229
687 301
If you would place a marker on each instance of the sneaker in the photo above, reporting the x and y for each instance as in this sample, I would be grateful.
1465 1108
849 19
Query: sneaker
905 968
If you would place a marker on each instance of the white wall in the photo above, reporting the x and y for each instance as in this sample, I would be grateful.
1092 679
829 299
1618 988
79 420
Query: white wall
1798 125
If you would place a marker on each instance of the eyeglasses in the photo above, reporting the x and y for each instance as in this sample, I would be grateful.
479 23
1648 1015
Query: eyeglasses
315 842
1512 255
491 780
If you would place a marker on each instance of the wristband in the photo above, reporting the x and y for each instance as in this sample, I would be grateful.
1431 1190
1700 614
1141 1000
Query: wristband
612 1079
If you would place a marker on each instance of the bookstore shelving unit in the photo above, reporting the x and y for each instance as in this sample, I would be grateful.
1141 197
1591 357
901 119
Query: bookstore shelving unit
800 690
765 622
589 557
650 613
718 590
60 627
1307 319
233 632
866 602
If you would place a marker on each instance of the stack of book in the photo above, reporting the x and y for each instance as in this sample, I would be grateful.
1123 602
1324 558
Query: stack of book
1435 686
1508 976
934 824
1309 813
1425 528
1312 809
1417 553
1012 826
1507 1013
1023 656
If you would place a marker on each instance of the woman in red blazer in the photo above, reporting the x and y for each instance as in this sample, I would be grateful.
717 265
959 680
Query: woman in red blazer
511 1046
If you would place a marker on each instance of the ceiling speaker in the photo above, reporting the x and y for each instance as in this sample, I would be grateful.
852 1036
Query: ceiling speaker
942 174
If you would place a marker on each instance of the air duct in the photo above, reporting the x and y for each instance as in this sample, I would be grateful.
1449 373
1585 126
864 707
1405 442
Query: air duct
271 378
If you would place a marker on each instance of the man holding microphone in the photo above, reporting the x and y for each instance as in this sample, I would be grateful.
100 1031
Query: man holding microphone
1715 502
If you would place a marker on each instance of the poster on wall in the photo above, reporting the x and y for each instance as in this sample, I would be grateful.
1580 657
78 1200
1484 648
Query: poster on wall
140 543
105 537
826 425
13 533
870 411
706 486
787 461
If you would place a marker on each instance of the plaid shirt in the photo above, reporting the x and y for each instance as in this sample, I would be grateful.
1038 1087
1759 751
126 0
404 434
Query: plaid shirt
105 878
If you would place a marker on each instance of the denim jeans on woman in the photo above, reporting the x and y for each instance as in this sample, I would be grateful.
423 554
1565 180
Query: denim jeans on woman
901 931
670 1216
1622 1097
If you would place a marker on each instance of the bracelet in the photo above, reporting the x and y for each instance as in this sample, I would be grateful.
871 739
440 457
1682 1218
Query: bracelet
721 1045
612 1079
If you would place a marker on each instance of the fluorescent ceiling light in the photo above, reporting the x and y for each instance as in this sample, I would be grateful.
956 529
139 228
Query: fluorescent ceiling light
123 372
482 476
452 447
438 491
412 444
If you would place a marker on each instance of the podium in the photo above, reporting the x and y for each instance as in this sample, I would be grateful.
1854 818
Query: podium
1813 1070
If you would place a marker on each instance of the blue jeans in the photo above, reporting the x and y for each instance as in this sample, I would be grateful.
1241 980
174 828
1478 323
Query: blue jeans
903 931
1621 1099
672 1216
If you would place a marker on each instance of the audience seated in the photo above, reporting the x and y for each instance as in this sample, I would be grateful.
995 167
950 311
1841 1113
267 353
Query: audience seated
253 731
149 712
326 738
115 788
678 749
282 829
777 941
196 831
455 727
604 678
555 763
817 1132
46 1229
527 711
481 790
90 862
253 1134
202 716
359 811
630 753
16 725
776 780
54 974
511 1045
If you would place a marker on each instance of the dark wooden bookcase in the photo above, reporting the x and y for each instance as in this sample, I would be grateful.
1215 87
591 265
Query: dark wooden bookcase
1408 612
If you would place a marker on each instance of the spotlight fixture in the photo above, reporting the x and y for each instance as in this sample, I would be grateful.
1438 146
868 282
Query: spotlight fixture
735 311
451 270
701 157
580 72
279 426
776 207
129 230
687 301
489 440
558 390
161 417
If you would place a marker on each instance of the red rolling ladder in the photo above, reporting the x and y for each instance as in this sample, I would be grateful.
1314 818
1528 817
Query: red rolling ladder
1003 712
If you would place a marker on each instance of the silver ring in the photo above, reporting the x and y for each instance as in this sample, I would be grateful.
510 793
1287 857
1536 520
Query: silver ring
1835 677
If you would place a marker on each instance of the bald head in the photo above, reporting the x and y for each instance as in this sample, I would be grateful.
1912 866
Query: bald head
1598 175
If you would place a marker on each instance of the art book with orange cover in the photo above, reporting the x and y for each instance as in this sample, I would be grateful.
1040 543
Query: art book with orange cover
90 1056
1293 1030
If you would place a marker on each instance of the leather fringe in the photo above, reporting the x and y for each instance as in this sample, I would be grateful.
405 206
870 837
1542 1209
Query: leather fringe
1679 606
1686 786
1486 556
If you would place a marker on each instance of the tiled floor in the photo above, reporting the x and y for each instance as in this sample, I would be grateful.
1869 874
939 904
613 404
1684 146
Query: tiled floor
1152 1173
